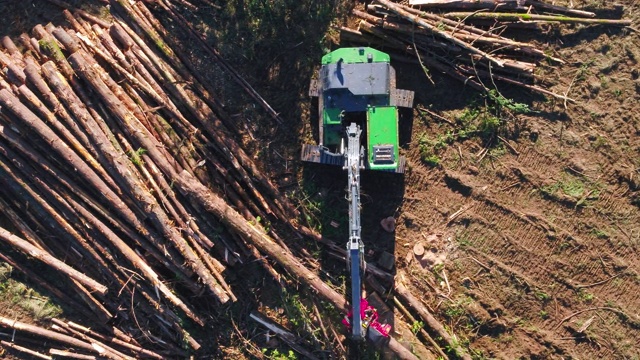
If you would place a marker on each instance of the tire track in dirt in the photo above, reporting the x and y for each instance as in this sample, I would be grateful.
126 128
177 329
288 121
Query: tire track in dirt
548 252
607 209
590 247
602 230
538 273
444 202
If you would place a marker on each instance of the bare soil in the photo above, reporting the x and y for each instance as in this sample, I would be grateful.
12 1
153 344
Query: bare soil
542 262
532 249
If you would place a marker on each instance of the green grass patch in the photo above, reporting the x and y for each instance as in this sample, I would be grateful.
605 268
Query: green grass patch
18 294
568 185
585 296
136 156
600 234
276 354
416 326
483 119
584 192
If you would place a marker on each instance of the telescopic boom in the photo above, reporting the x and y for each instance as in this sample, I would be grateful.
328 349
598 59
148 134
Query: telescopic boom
355 162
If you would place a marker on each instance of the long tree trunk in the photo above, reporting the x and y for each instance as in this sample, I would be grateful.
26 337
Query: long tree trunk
84 66
52 335
430 321
197 192
470 4
468 16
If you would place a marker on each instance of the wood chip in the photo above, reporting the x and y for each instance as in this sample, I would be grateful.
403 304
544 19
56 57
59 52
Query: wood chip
418 249
388 224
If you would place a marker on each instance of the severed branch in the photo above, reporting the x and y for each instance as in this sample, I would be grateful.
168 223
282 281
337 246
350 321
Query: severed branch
469 16
589 309
283 334
28 249
420 22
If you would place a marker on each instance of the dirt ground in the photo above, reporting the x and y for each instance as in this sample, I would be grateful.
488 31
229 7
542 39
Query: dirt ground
541 238
532 241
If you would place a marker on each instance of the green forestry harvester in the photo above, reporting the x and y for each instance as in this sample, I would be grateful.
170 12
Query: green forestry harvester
356 91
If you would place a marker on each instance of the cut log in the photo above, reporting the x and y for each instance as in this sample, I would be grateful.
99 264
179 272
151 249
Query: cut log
242 82
420 22
25 350
51 335
89 71
194 190
35 80
14 72
281 203
430 321
30 250
12 49
73 187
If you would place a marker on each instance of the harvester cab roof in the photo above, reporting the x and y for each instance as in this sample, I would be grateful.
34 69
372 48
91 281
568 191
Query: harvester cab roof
358 85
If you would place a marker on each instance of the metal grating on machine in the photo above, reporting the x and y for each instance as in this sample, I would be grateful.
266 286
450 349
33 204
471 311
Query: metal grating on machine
403 98
319 154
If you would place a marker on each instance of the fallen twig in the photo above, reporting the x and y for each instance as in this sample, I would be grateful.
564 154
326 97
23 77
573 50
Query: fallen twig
590 309
598 283
532 17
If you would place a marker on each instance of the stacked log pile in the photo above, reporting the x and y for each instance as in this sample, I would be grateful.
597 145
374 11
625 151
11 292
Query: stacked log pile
465 40
127 183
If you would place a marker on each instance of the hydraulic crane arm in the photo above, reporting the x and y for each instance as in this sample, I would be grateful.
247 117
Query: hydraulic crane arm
362 321
355 162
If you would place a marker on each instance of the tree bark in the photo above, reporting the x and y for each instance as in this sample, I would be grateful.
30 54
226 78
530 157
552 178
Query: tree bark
26 248
25 350
430 320
51 335
84 66
468 16
191 188
65 354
